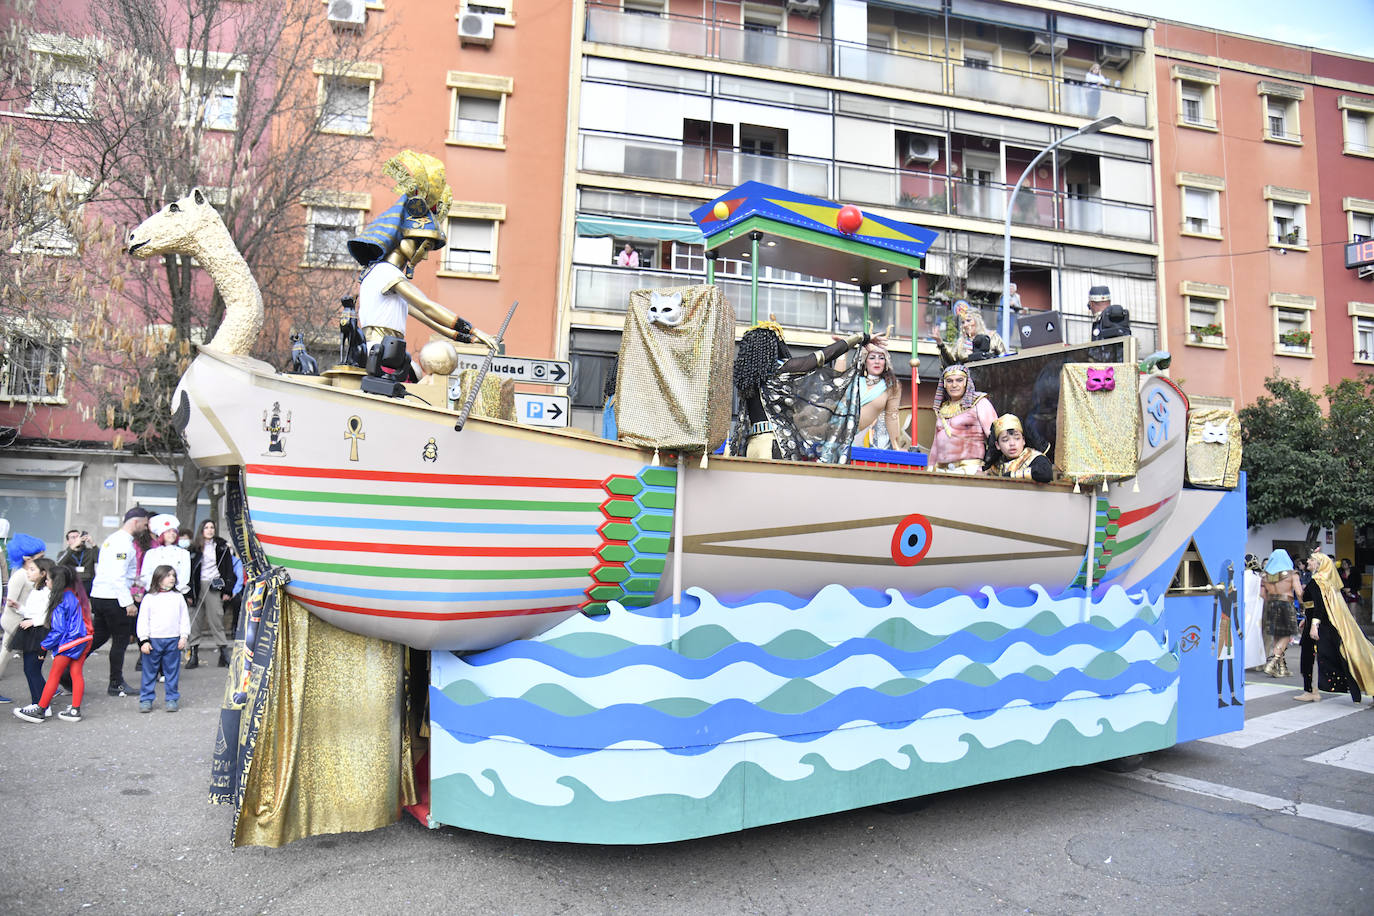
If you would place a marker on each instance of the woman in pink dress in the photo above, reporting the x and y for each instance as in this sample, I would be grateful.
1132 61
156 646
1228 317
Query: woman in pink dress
963 418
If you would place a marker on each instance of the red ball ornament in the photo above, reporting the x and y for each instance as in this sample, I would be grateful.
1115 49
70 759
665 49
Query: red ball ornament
849 219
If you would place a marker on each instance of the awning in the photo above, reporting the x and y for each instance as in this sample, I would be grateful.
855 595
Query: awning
594 226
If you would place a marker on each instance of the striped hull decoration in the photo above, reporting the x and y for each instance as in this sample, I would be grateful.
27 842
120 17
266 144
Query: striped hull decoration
433 560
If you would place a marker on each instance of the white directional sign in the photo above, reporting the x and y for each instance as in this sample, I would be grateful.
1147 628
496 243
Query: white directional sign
540 371
541 409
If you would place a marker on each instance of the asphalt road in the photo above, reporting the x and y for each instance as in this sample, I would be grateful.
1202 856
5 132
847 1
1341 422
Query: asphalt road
110 816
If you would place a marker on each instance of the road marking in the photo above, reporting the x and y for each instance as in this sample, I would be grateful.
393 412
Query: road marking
1358 755
1277 724
1255 691
1362 822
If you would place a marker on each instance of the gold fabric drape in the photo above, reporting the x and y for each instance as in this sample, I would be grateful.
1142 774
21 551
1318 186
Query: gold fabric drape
1098 431
673 384
1214 448
1359 655
496 399
331 754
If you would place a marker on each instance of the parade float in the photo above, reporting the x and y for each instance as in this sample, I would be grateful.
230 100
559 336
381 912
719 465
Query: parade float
638 641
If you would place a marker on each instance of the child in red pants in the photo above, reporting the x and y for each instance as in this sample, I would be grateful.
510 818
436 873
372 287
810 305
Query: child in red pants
69 637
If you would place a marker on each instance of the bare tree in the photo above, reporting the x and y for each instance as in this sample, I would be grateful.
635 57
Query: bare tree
254 103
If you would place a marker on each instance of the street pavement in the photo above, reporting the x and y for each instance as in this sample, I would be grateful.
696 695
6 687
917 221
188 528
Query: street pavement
110 816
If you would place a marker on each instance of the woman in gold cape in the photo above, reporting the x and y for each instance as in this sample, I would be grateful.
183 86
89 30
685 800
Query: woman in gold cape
1331 638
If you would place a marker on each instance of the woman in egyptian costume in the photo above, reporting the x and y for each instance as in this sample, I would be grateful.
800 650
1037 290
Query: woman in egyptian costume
880 399
1010 456
971 324
963 420
1332 639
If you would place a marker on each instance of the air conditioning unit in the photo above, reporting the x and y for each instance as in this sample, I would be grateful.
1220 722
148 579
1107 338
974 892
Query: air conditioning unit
921 149
1114 56
350 13
1365 272
1040 43
476 28
808 8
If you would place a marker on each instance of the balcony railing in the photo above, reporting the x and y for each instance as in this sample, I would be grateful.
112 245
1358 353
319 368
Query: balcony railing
647 157
728 41
929 192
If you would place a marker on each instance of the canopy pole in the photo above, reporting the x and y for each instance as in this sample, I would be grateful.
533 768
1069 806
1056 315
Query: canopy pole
754 277
679 507
710 270
867 290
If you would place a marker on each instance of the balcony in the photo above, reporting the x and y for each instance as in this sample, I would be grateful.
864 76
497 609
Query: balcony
728 41
796 305
928 192
668 160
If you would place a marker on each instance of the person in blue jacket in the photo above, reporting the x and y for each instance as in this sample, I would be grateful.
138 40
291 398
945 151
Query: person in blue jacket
69 639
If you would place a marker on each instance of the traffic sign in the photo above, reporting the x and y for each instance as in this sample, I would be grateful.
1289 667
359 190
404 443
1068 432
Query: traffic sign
540 371
541 409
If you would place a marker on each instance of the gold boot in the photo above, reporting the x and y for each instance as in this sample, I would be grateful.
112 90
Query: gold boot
1283 667
1271 667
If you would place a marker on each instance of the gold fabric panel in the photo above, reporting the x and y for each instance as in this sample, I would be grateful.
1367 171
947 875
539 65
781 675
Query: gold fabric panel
673 384
1214 448
1098 431
496 399
329 756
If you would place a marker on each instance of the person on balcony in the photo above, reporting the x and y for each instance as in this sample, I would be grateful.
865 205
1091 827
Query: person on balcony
1094 80
963 420
628 257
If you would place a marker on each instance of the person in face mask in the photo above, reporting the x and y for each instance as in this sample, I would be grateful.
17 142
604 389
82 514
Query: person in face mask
184 538
166 551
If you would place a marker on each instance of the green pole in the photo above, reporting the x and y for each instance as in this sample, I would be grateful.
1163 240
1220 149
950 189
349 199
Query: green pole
710 269
912 275
864 329
754 278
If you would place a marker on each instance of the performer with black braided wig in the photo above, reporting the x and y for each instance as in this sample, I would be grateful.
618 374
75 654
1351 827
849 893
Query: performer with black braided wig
782 411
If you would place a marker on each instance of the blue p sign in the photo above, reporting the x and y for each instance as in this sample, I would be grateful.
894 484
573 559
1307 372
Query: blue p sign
535 410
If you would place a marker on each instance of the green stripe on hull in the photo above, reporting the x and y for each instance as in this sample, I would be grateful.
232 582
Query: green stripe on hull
395 572
423 502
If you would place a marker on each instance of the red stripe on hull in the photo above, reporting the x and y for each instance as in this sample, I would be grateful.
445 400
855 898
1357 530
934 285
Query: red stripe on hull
403 477
438 618
428 550
1135 515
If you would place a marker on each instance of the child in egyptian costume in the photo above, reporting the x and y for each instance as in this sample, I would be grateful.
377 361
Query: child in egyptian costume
1010 456
963 420
794 407
394 243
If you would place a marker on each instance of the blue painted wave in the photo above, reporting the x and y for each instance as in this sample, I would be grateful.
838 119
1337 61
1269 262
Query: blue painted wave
571 736
960 643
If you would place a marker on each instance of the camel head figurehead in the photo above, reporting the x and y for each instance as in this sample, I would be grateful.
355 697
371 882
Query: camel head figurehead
185 226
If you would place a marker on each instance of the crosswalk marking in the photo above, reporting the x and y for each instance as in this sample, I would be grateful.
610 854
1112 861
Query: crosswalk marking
1255 691
1358 755
1351 819
1277 724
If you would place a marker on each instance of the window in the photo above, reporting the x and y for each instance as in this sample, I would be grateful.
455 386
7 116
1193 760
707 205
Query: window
1205 322
500 9
1195 96
1201 203
478 109
977 60
1279 103
1357 113
346 93
47 213
1292 323
763 19
331 220
473 229
209 89
63 77
1361 227
162 497
645 7
1362 323
1287 217
42 504
34 361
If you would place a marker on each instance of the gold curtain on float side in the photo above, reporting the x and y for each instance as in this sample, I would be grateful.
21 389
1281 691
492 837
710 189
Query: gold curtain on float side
1098 431
1214 448
673 385
331 753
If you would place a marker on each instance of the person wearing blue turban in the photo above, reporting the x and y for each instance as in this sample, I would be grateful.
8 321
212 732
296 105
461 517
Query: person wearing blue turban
1280 588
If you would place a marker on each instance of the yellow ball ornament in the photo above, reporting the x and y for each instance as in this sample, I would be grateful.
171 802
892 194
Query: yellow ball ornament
720 211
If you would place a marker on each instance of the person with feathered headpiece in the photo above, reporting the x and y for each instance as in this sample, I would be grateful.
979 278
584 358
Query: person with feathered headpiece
392 245
963 421
966 345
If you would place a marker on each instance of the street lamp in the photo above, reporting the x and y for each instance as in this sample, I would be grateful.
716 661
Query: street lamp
1094 127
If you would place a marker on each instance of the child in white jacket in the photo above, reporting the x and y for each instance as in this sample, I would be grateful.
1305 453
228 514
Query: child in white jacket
164 625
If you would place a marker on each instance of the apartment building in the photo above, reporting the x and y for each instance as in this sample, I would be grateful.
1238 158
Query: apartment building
1267 171
920 110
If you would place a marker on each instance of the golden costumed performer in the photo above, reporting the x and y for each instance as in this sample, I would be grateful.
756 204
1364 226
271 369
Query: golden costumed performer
1331 638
